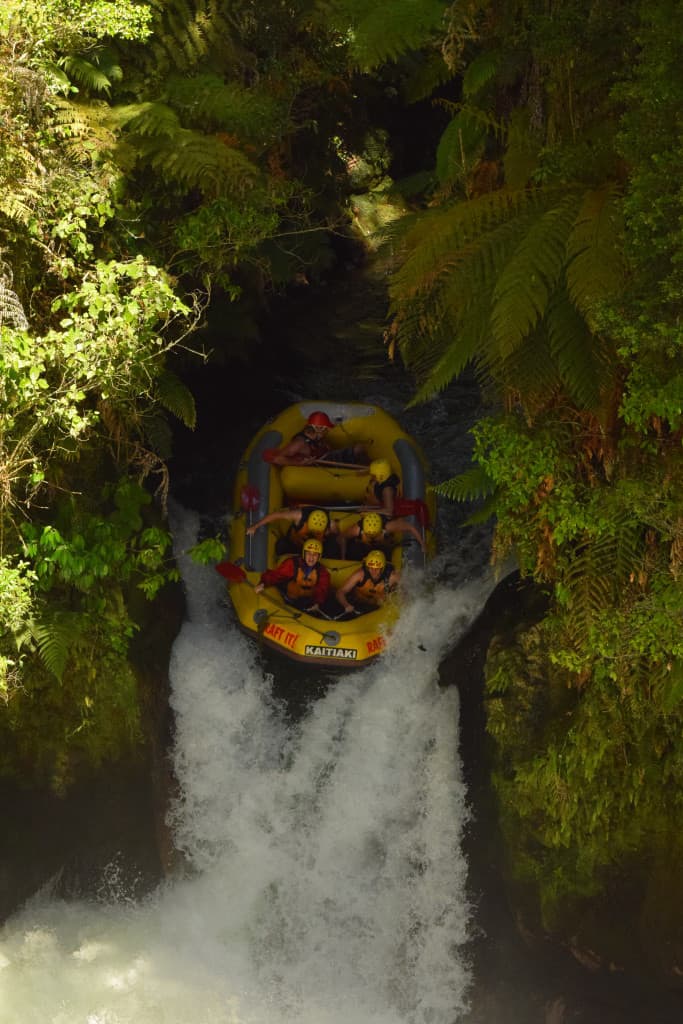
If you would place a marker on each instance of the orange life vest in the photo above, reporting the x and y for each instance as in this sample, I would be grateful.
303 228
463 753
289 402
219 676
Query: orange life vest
372 592
301 585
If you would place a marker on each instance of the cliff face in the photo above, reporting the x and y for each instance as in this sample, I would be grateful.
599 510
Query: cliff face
627 932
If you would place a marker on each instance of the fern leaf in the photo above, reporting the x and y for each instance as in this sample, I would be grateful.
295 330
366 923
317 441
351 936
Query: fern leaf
522 150
391 28
595 268
177 398
460 145
158 435
55 635
211 103
479 73
471 485
87 74
148 119
524 288
576 352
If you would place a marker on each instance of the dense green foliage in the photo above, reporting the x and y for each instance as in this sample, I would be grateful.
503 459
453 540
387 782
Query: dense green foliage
550 262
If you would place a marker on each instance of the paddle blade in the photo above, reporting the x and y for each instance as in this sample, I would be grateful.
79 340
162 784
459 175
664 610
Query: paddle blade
269 454
250 497
231 572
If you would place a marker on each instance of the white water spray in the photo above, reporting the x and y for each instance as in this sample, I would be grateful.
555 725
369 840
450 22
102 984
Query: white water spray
326 881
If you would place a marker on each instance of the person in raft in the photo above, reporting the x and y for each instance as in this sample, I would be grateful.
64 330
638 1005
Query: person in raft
311 445
373 532
382 490
367 588
305 521
302 580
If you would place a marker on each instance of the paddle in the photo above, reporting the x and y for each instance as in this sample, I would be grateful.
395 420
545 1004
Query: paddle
402 507
270 454
232 572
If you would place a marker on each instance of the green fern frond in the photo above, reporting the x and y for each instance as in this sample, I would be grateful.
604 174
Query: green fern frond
522 150
177 398
212 103
205 162
530 371
441 237
82 124
14 208
86 74
577 353
523 289
595 267
186 33
148 119
460 146
390 28
55 635
158 435
425 74
479 73
471 485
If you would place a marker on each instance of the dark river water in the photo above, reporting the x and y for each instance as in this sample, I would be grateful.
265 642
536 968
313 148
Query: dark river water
337 835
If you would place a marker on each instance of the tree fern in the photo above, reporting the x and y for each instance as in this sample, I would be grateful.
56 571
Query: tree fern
581 359
212 103
472 485
507 258
595 269
461 144
55 636
385 30
521 293
177 398
185 33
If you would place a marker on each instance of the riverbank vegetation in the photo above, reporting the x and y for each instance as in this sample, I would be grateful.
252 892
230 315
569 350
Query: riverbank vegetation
163 159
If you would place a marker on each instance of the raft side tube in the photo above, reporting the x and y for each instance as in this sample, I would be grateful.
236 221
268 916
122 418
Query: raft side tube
258 475
413 488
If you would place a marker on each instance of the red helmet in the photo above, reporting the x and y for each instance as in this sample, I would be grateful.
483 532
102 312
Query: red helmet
319 419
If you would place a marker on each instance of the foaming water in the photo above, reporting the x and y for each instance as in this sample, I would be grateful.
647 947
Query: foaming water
325 881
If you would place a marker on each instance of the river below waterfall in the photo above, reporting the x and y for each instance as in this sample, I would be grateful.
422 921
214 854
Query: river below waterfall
324 821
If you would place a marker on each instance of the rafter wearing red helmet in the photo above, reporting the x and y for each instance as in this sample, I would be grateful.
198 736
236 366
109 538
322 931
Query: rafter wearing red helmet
311 445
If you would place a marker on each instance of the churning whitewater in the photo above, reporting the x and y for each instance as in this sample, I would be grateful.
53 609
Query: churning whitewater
325 882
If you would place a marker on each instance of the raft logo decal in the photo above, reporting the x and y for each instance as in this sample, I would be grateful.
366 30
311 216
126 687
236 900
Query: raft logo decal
377 643
282 635
331 652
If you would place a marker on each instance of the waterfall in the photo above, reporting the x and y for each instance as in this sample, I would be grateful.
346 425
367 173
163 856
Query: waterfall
324 879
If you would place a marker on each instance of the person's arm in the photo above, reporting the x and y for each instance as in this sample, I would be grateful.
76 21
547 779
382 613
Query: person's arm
388 498
271 577
403 526
295 453
273 517
346 588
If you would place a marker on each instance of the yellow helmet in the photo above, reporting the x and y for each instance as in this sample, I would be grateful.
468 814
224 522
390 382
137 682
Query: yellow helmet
318 521
380 469
372 524
375 560
313 545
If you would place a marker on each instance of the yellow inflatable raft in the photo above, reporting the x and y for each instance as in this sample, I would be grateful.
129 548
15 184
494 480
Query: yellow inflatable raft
262 487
